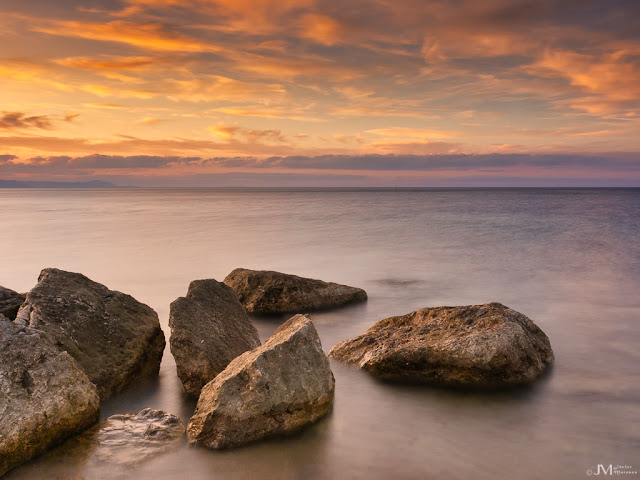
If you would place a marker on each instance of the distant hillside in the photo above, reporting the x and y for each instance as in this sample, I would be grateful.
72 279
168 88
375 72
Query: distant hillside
36 184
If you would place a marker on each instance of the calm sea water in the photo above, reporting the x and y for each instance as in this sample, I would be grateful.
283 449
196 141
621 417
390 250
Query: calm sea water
567 258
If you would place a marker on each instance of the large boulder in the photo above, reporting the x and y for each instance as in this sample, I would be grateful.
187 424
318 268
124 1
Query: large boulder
479 345
10 302
44 395
209 328
114 338
266 292
275 389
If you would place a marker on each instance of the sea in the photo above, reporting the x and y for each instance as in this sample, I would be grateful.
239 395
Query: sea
569 259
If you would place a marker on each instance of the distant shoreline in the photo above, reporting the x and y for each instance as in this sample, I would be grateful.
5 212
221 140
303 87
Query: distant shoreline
99 184
45 184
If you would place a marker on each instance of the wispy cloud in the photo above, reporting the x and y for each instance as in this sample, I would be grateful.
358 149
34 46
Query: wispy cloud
234 132
108 63
404 132
152 36
19 120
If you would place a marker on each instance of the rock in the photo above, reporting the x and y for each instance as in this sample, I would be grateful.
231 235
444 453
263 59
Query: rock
10 302
114 338
480 346
44 395
209 328
265 292
125 440
275 389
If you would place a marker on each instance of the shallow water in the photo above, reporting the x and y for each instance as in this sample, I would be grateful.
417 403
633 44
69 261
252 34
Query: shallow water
567 258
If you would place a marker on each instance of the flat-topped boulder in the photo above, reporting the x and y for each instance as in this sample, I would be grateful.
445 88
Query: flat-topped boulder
275 389
44 395
482 346
209 328
114 338
267 292
10 302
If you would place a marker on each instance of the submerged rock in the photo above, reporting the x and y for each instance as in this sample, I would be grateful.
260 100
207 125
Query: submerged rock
126 440
10 302
262 291
209 328
275 389
479 345
44 396
114 338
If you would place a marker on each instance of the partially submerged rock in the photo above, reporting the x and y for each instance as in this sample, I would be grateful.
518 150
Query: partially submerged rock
126 440
10 302
265 292
44 396
479 345
114 338
209 328
275 389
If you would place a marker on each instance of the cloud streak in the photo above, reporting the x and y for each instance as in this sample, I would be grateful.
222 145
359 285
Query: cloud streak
19 120
151 36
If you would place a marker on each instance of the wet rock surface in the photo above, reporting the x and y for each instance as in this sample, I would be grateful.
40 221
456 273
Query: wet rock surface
114 338
126 440
275 389
44 396
10 302
267 292
486 345
209 328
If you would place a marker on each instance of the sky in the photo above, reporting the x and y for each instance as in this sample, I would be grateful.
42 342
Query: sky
321 93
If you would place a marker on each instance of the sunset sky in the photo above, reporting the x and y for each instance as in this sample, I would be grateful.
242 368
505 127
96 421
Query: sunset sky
321 93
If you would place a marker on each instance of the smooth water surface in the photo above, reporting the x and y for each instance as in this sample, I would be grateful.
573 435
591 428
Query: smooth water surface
567 258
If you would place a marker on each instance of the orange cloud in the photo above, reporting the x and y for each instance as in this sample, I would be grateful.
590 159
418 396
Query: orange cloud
320 28
113 63
461 44
614 77
223 132
207 88
144 35
104 91
250 16
384 107
30 73
235 132
268 112
108 106
414 147
258 16
424 133
289 67
152 120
